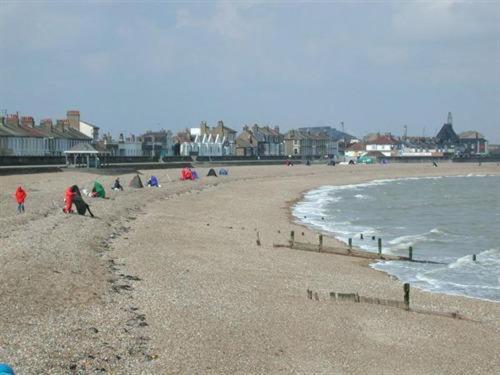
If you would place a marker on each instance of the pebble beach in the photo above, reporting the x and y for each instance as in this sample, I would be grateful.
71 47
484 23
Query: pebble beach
173 280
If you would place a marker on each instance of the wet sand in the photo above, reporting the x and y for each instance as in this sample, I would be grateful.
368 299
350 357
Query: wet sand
172 280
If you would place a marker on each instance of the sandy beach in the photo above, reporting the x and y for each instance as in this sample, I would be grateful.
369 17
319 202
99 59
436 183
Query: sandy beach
171 280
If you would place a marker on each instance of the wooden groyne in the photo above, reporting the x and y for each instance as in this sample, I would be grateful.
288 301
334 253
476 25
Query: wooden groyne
349 250
404 304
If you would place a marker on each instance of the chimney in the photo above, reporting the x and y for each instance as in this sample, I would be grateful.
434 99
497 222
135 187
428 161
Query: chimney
62 125
255 128
27 121
204 128
74 119
46 123
277 129
12 120
120 139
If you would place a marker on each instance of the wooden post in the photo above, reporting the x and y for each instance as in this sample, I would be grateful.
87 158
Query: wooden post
380 246
410 253
474 257
292 238
361 236
309 294
320 243
406 288
350 243
258 238
373 238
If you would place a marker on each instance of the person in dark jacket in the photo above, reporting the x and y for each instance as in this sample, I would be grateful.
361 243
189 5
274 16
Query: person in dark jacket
117 185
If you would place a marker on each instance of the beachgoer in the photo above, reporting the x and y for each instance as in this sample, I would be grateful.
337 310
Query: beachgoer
70 195
117 185
81 206
20 198
153 182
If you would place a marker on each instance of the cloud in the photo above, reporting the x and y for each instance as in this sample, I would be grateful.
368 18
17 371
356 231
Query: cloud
444 19
35 27
229 20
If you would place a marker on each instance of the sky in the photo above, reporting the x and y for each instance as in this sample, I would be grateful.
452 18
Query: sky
374 66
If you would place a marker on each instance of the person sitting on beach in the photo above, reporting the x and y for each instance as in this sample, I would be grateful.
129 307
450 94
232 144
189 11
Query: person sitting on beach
20 198
186 174
73 195
117 185
70 195
153 182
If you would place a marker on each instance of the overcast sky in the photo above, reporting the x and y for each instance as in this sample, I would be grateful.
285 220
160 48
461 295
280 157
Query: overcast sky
376 66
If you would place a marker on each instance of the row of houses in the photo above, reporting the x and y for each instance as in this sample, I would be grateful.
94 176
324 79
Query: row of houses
20 136
446 143
261 141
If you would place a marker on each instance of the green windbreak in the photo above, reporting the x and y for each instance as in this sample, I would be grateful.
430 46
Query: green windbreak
99 189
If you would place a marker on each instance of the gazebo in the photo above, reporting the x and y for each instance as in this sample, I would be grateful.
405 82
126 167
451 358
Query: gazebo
85 155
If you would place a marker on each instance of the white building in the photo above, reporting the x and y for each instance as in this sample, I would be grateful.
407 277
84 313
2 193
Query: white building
205 145
384 144
84 127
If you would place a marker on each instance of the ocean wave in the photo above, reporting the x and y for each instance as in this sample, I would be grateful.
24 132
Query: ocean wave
486 258
340 211
360 196
435 235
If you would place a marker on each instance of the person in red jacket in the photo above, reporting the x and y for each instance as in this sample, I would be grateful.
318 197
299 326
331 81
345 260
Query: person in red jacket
20 198
68 199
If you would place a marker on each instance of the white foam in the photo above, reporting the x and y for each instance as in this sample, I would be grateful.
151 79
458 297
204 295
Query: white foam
462 276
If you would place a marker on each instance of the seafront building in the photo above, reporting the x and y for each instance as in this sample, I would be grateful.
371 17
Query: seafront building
124 146
83 127
260 141
445 144
467 144
310 144
387 145
157 143
20 137
219 140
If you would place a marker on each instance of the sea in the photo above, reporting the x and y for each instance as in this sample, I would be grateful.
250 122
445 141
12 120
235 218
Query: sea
444 219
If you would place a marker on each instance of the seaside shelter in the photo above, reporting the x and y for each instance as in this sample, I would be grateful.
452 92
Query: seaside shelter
85 155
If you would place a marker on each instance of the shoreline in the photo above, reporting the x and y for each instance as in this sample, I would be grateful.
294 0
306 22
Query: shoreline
260 290
197 294
370 263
